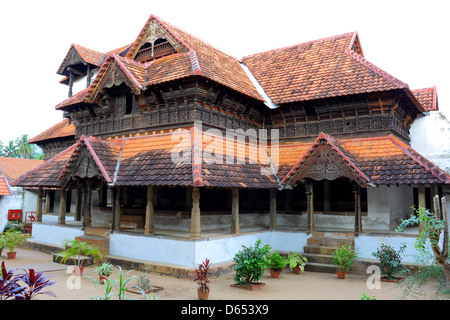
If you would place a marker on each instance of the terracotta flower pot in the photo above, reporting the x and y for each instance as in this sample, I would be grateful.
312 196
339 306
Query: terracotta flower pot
341 274
202 295
11 255
296 269
275 273
103 279
78 270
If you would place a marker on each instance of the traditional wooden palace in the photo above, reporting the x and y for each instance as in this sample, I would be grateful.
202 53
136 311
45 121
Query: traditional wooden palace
169 139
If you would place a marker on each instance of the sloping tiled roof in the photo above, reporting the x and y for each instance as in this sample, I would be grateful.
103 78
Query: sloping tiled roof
60 130
15 167
318 69
348 163
5 189
46 174
427 97
181 159
385 160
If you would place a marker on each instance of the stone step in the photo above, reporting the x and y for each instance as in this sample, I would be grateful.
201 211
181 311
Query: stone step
334 234
330 242
320 267
319 258
318 249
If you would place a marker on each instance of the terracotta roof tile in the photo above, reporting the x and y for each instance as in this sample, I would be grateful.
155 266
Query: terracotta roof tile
5 189
46 174
60 130
318 69
427 97
15 167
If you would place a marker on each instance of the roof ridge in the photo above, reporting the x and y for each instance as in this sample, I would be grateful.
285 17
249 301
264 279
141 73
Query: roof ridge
300 44
377 70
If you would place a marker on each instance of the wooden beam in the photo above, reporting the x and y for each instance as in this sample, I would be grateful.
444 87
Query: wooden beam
235 211
39 205
195 214
149 213
309 206
116 213
62 207
273 209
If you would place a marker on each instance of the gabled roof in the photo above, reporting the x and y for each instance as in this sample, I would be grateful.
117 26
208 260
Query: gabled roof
384 160
62 129
428 98
329 67
105 154
327 159
79 54
5 189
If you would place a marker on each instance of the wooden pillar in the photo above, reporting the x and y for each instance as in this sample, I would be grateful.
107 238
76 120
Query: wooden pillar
326 196
356 194
62 207
83 206
273 209
39 205
89 204
89 76
116 213
149 213
71 76
309 206
78 204
195 214
235 211
421 201
47 201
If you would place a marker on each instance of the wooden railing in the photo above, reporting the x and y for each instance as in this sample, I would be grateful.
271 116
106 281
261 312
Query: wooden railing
159 50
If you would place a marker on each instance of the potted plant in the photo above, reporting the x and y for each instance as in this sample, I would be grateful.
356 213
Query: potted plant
343 260
249 266
202 272
276 263
104 270
390 261
11 239
296 262
78 251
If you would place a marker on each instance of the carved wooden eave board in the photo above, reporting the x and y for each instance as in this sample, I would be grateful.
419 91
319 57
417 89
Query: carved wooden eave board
326 159
112 73
153 30
86 163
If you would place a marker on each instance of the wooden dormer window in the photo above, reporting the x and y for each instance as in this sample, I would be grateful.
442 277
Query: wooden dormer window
151 51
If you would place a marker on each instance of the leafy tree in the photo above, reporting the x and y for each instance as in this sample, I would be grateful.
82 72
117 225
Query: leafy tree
10 150
20 148
433 226
24 150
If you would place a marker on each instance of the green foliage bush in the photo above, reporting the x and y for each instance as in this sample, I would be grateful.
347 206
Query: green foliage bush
250 263
390 260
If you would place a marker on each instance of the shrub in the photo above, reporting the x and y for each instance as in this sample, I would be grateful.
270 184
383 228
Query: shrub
276 261
250 263
390 260
343 257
